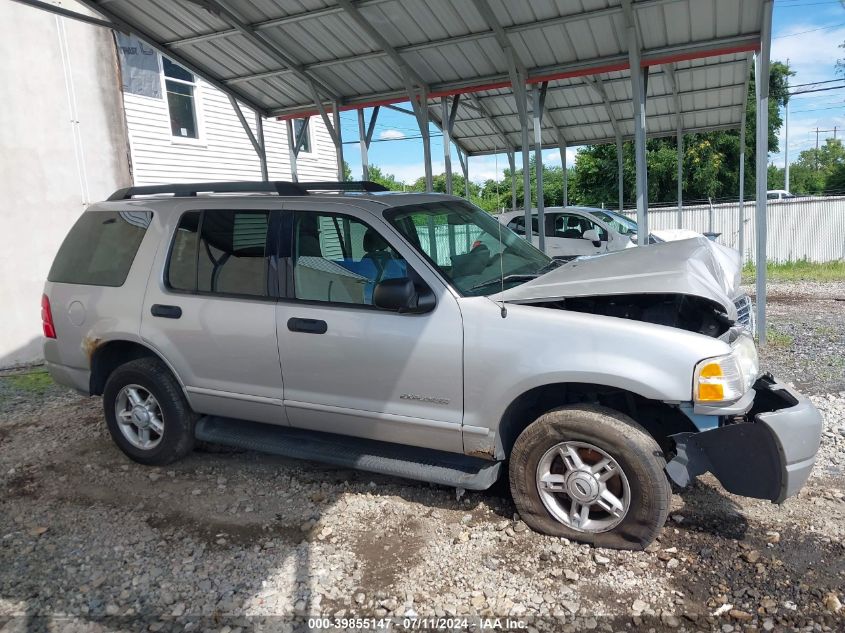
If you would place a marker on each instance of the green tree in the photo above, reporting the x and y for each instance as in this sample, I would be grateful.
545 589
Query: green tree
386 180
818 171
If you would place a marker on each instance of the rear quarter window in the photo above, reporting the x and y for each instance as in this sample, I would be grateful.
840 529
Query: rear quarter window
100 248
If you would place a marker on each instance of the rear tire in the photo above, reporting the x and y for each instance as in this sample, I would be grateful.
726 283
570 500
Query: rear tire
627 497
147 414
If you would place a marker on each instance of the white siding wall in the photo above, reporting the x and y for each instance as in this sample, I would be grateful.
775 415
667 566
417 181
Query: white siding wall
223 151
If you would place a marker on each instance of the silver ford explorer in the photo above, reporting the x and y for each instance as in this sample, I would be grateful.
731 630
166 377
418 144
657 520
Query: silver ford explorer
414 335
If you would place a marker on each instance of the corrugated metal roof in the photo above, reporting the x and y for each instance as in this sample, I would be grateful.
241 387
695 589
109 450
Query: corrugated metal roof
269 54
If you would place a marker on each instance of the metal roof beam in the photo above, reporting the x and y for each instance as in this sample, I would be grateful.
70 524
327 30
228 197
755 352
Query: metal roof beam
722 46
492 120
518 78
469 37
602 141
556 129
597 85
270 48
702 91
65 13
408 72
436 120
125 27
669 71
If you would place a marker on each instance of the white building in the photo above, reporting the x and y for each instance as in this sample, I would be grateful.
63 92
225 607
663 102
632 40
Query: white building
182 129
70 136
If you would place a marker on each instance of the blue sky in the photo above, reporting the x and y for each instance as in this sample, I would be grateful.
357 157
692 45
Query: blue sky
807 32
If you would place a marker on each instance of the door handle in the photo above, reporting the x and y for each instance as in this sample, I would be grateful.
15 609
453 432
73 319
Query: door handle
309 326
166 312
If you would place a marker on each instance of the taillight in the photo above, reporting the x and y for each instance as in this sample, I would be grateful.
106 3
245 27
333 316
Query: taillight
475 244
47 318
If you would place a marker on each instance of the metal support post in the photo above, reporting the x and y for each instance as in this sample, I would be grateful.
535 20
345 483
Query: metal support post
262 155
620 173
365 134
639 92
293 151
365 146
742 189
561 143
419 102
762 156
539 102
512 165
680 150
257 140
338 138
447 142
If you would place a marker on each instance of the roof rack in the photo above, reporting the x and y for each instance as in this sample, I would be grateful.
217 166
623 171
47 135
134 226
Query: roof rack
279 187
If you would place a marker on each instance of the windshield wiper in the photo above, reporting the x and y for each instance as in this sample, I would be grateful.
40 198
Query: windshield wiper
505 279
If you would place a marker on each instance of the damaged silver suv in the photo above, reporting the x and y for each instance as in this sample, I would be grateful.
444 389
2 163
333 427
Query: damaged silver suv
414 335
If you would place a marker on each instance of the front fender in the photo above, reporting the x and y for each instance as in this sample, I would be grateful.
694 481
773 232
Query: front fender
536 346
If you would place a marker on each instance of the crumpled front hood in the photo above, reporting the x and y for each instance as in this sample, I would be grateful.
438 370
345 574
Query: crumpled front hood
696 267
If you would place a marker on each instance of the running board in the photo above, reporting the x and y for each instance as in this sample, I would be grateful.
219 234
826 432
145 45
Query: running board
385 458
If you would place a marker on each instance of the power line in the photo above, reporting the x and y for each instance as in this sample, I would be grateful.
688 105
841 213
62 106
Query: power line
817 83
803 92
821 28
838 107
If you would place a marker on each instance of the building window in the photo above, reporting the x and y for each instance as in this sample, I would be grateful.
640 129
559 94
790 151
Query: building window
181 100
298 126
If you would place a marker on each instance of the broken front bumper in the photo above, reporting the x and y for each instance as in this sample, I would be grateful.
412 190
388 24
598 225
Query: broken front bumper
767 454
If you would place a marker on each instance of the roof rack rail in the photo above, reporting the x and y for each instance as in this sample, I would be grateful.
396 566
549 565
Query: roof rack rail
347 185
279 187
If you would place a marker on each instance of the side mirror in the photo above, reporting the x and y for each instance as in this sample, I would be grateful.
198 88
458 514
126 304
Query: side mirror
593 236
400 295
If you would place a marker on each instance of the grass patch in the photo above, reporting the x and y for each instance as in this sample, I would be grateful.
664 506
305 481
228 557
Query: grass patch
36 382
776 338
801 270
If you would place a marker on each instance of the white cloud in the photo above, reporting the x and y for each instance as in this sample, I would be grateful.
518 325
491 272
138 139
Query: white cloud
811 55
391 135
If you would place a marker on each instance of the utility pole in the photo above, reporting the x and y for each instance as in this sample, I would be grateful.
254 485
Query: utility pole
786 131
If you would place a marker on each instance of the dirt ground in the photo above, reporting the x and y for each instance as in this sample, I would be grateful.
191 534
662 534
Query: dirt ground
226 540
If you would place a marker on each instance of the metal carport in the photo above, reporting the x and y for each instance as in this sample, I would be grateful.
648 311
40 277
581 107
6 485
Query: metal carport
481 70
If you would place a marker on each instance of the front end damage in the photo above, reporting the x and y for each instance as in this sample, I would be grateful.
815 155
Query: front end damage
767 453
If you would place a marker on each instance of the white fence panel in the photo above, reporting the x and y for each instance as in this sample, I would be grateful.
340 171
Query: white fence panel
800 228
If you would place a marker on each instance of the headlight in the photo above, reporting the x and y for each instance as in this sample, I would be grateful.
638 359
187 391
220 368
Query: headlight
727 378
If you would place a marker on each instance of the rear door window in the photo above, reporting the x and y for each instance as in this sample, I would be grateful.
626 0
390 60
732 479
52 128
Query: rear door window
100 248
221 252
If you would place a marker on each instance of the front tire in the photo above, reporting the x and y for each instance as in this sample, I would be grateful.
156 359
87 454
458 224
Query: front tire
147 414
592 475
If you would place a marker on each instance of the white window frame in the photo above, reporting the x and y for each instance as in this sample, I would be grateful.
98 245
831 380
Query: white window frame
198 109
311 139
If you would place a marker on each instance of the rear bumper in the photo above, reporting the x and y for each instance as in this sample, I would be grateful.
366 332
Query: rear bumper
77 379
769 455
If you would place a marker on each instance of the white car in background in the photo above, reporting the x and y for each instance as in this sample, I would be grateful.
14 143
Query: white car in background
576 231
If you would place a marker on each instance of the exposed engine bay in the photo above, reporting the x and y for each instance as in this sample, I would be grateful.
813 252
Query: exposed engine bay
684 312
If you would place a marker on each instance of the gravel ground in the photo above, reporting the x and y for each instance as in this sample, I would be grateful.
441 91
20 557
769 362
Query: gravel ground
224 540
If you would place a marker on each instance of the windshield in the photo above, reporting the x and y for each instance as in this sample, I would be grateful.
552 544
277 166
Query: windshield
463 242
618 223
